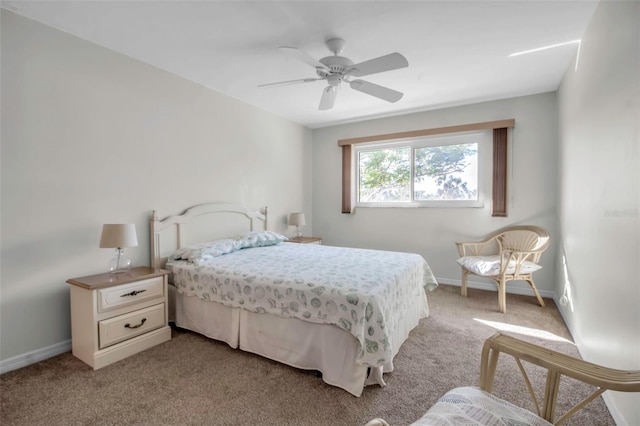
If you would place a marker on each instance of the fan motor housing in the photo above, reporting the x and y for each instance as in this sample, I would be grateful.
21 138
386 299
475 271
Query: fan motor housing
336 65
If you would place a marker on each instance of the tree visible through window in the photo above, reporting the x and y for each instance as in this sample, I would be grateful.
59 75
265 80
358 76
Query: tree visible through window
426 172
385 175
446 172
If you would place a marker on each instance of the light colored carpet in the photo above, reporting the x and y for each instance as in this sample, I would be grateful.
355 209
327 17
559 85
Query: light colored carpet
192 380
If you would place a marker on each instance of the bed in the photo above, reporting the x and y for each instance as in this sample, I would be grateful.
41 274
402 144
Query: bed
344 312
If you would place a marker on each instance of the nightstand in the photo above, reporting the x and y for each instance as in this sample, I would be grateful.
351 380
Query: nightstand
114 316
305 240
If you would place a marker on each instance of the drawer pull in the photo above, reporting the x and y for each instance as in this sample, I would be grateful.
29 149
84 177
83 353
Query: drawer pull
133 293
127 325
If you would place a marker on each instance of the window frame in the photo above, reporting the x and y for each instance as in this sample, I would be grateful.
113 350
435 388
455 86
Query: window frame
501 135
480 138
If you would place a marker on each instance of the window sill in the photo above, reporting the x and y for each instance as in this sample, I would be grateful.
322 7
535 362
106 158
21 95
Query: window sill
444 205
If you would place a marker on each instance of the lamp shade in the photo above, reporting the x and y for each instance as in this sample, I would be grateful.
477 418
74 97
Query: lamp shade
118 235
296 219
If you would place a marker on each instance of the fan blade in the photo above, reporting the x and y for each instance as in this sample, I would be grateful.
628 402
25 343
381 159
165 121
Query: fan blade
328 98
377 91
298 54
389 62
284 83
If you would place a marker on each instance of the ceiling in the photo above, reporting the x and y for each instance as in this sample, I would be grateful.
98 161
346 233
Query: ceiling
458 51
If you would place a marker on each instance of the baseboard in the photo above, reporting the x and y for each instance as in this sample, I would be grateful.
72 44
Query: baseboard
608 400
618 418
526 291
32 357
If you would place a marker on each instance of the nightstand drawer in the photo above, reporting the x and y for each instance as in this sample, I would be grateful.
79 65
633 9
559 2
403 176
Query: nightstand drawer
127 294
123 327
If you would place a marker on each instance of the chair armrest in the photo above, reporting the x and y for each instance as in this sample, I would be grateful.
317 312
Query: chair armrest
517 258
557 365
470 248
475 248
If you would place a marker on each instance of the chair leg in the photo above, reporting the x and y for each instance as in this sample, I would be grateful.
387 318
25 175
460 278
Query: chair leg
535 290
502 295
463 289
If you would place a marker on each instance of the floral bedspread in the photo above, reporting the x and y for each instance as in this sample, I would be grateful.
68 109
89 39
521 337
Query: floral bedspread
364 292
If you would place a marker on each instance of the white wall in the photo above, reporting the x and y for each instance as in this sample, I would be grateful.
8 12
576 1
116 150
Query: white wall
432 232
599 214
90 136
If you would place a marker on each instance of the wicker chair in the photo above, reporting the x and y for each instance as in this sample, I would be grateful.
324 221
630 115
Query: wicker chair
476 405
509 254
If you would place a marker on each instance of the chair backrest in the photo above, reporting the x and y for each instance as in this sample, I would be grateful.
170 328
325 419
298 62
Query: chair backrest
524 238
519 238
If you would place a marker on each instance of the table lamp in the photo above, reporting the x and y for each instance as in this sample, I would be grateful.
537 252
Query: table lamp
297 220
118 236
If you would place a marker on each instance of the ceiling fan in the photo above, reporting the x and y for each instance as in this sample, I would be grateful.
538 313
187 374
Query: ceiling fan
337 69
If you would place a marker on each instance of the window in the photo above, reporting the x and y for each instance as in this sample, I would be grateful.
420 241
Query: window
444 171
499 166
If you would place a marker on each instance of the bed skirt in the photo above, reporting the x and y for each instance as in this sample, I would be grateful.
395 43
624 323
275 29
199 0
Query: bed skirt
300 344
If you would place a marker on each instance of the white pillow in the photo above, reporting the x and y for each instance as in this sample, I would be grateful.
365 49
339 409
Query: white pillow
260 239
489 266
199 253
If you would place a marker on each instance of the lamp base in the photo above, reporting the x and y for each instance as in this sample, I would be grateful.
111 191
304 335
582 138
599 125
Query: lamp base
119 264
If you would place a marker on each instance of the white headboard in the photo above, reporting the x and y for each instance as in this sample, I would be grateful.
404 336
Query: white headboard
198 224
